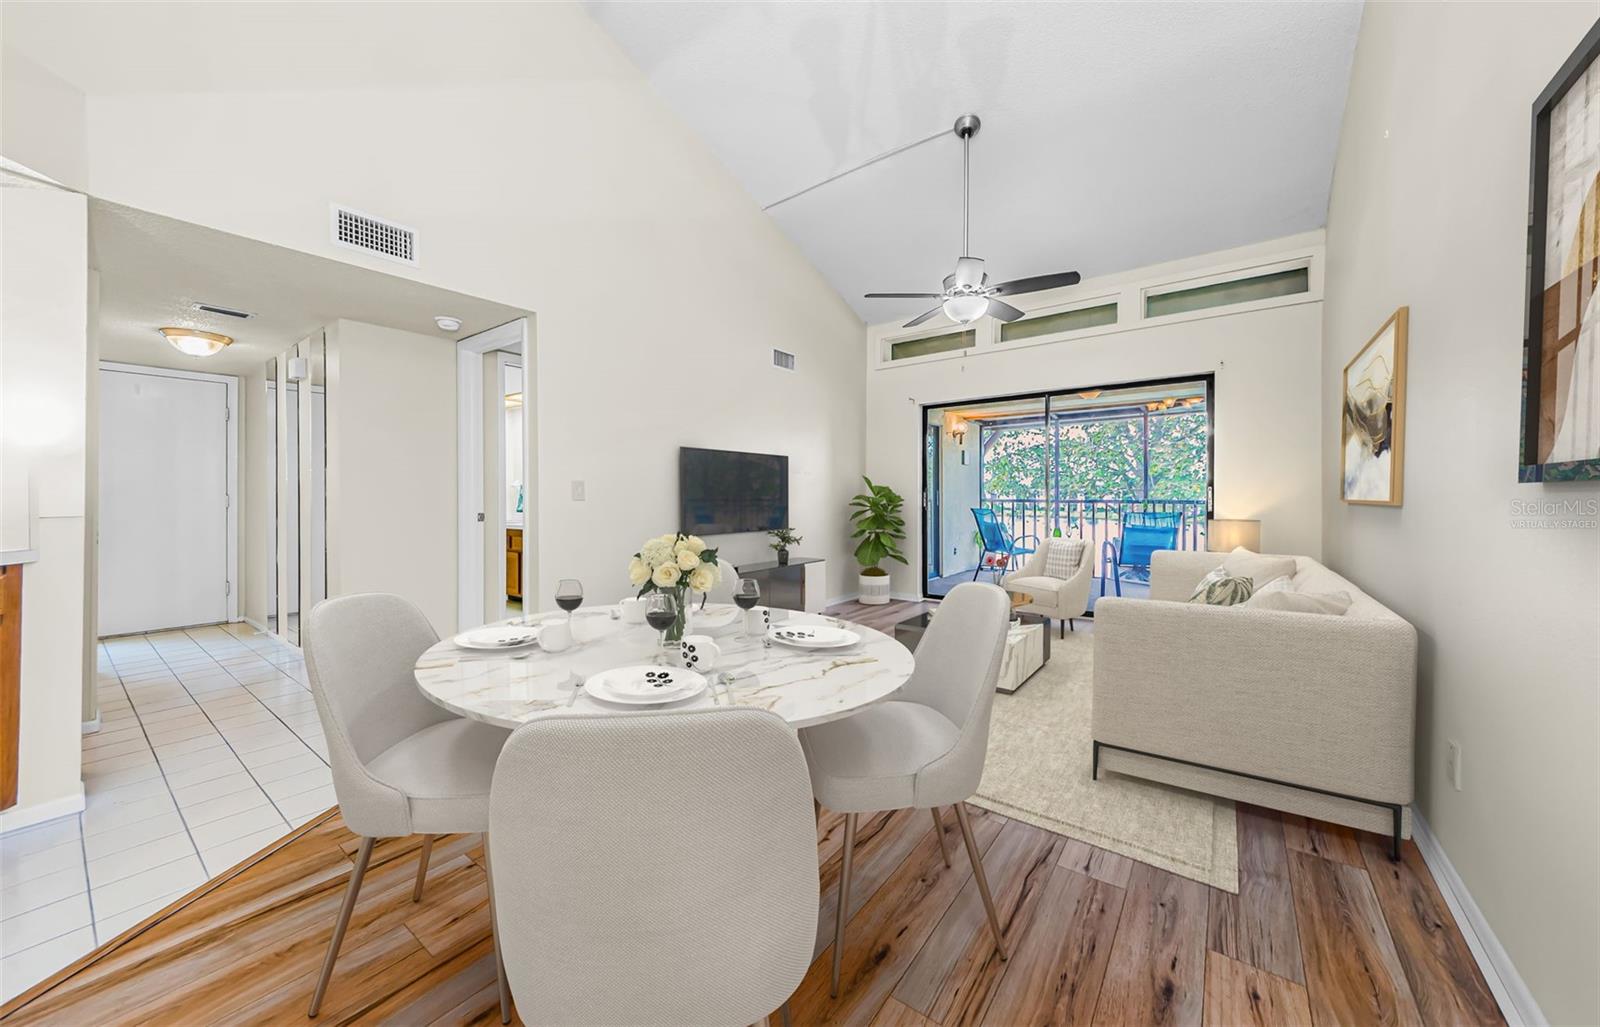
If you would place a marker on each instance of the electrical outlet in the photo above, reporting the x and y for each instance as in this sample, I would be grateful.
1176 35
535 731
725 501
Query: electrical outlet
1452 764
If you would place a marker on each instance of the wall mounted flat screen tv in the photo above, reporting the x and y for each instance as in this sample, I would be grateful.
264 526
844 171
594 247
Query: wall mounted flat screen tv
722 492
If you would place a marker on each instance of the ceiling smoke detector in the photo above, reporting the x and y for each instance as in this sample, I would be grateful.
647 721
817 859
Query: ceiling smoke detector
447 323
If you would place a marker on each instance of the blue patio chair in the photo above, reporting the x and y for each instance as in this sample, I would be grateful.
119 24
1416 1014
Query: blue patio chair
1134 548
996 539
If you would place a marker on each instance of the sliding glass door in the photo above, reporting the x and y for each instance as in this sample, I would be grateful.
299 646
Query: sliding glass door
1003 474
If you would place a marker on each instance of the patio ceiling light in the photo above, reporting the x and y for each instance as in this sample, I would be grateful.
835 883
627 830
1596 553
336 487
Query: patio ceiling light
958 430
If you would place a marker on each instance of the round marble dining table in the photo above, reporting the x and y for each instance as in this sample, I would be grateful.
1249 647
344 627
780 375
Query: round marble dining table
804 687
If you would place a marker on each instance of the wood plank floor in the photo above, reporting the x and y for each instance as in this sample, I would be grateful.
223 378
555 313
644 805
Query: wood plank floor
1325 930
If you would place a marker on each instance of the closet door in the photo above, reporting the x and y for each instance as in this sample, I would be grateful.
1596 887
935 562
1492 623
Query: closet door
163 502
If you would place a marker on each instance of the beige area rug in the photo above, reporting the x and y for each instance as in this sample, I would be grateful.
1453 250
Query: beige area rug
1038 772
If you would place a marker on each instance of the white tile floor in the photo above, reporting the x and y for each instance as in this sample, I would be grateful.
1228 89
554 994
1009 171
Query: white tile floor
209 748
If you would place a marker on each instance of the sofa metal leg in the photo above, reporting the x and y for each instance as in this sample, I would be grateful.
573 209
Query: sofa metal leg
1394 848
1094 773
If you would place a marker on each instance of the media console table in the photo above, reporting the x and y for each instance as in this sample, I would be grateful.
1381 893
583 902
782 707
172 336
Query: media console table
801 584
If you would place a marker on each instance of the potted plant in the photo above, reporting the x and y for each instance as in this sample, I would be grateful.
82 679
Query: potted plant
875 515
782 539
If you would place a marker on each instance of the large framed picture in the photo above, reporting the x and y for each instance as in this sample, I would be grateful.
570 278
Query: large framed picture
1372 431
1560 366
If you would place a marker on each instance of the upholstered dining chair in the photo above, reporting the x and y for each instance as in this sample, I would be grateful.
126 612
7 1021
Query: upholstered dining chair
401 765
654 868
925 748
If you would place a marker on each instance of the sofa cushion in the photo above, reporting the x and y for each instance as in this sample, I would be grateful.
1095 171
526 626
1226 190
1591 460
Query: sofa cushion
1062 556
1219 588
1242 563
1333 604
1043 589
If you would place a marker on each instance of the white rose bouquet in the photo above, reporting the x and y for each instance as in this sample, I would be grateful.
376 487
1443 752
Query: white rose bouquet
676 563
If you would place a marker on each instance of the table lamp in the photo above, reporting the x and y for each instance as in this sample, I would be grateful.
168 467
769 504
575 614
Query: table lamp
1222 536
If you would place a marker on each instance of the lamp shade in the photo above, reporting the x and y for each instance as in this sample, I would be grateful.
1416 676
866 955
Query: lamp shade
1223 536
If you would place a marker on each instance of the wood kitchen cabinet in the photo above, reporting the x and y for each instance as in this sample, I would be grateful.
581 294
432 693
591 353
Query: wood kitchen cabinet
514 563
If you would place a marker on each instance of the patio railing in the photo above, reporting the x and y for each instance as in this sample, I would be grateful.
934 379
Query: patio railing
1099 520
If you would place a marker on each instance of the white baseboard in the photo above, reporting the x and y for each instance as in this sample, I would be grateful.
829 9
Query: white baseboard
18 817
91 726
1516 1001
836 600
256 624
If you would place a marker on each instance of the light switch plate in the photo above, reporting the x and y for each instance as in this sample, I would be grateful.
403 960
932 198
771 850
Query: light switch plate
577 492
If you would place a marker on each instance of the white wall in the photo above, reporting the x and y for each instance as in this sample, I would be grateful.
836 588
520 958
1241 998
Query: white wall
257 452
1429 209
563 186
1266 358
44 367
392 466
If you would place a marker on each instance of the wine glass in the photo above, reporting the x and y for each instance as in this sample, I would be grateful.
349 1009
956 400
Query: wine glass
569 595
746 594
660 611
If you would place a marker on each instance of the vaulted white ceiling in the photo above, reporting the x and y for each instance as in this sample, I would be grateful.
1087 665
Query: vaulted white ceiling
1115 135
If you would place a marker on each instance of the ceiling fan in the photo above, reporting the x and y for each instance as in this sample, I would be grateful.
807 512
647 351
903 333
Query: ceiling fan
967 295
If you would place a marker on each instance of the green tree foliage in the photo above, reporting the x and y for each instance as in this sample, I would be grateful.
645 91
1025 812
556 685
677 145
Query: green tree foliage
1100 459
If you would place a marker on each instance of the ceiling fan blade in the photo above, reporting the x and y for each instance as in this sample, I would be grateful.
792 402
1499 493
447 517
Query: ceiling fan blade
903 295
923 317
1036 283
1003 310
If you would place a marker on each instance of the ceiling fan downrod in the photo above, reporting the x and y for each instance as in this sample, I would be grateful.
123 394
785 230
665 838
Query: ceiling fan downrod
966 127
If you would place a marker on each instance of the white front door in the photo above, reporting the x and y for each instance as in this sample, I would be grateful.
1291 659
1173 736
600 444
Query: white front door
163 501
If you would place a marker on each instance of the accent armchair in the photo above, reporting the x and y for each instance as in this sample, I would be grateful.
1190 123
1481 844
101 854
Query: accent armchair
1058 598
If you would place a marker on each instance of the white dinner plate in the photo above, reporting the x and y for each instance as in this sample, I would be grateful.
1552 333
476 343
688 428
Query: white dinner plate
497 636
812 636
714 616
645 685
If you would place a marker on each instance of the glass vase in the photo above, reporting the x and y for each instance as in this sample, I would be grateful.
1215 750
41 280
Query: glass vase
680 623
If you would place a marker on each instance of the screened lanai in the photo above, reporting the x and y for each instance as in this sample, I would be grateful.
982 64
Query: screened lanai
1082 463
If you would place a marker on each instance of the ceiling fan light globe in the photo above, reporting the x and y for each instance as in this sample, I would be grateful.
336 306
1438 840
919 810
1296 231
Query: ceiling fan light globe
965 309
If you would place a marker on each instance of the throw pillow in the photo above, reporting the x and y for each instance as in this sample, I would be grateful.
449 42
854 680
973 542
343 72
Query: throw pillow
1332 604
1063 556
1221 589
1275 585
1242 563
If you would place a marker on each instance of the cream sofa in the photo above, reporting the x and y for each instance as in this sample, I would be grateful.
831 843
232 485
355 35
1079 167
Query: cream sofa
1058 598
1303 712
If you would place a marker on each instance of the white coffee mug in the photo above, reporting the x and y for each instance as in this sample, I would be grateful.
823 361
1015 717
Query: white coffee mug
555 636
632 610
698 652
757 619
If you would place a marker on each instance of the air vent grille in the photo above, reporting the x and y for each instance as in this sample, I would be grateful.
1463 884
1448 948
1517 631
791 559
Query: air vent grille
783 360
211 308
363 232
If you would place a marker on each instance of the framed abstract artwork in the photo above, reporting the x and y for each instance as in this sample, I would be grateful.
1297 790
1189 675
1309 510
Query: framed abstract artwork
1373 418
1560 366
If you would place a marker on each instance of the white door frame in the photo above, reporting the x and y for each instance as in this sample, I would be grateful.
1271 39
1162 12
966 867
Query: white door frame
470 515
232 383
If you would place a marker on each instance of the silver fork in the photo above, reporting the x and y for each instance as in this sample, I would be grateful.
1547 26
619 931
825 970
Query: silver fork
577 686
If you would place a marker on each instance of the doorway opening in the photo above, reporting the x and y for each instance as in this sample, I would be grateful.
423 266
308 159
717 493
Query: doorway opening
496 498
1076 463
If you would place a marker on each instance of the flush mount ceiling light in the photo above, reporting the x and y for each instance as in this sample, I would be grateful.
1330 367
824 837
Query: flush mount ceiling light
967 293
195 343
447 323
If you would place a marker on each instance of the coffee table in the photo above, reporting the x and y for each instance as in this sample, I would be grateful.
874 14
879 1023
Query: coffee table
1027 644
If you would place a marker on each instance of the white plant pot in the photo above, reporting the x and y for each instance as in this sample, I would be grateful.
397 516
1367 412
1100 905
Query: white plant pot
874 589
